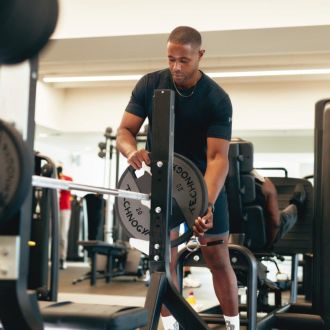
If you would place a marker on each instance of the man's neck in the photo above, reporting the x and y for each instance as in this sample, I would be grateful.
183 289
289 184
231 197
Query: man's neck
192 82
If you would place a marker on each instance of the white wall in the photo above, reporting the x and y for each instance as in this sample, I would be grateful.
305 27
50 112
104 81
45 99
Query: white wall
50 106
298 165
277 105
14 95
83 166
257 106
94 109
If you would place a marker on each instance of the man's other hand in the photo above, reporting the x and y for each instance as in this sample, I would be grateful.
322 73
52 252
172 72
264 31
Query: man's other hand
137 157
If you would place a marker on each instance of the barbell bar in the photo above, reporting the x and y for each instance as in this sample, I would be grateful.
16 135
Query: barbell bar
44 182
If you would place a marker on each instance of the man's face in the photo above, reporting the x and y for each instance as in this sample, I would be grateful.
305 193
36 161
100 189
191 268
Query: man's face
183 63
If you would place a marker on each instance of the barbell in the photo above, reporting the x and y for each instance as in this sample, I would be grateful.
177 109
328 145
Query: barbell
189 196
45 182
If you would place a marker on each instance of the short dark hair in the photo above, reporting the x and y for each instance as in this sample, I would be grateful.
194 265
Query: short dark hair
59 170
184 35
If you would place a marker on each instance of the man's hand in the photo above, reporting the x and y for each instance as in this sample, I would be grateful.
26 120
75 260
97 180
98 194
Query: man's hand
202 224
137 157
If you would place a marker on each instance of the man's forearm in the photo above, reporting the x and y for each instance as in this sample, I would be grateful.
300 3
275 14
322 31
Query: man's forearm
215 177
125 142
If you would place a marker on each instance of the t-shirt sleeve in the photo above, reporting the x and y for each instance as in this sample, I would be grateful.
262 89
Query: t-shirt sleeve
221 119
136 104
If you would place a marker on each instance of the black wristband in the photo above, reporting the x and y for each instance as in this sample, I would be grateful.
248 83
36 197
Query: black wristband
211 205
219 241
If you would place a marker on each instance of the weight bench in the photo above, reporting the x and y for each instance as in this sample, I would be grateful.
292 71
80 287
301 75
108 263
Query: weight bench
71 315
113 252
94 211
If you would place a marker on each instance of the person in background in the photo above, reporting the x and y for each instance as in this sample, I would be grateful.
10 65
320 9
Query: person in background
203 122
65 216
278 222
188 280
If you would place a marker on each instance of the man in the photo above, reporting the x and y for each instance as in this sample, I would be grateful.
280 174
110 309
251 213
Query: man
202 133
278 223
65 216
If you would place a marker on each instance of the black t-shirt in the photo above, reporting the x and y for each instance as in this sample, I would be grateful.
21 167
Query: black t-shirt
206 113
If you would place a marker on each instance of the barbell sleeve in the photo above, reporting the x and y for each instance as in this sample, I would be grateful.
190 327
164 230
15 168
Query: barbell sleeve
44 182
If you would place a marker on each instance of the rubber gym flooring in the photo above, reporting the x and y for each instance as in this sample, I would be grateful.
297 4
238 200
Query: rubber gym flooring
128 290
123 290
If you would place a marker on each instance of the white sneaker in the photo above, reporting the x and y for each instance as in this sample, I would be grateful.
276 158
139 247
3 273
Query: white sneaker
147 276
63 264
176 326
189 282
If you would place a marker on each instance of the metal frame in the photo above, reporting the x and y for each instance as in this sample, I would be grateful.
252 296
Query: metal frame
318 145
45 277
18 308
162 290
321 296
238 255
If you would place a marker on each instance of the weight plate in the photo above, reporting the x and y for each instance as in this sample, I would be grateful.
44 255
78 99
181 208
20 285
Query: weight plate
15 169
25 27
189 199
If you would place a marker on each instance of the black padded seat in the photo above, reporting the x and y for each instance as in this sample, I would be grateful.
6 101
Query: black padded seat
71 315
298 321
111 251
95 205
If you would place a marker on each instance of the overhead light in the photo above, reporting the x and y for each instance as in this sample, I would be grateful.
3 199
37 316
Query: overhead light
224 74
91 78
269 73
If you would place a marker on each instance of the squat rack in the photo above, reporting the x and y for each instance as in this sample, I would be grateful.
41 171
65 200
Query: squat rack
19 308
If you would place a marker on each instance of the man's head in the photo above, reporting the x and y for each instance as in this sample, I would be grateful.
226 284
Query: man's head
186 35
184 53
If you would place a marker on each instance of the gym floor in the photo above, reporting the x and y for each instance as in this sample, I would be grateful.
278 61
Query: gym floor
131 291
124 290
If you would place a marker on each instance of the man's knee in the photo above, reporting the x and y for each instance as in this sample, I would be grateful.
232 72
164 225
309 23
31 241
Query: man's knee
217 260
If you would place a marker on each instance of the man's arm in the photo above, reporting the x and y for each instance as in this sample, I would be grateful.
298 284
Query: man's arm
126 140
215 176
217 167
272 211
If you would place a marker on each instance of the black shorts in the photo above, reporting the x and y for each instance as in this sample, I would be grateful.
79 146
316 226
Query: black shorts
220 216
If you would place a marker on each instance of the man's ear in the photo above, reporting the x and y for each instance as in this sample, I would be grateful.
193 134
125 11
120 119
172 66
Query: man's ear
201 53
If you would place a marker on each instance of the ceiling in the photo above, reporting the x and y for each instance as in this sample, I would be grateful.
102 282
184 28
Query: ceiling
271 48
